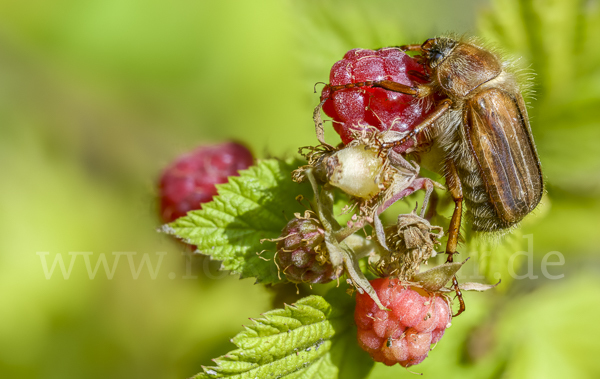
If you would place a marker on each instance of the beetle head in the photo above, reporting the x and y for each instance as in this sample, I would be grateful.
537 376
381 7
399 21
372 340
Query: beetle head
435 50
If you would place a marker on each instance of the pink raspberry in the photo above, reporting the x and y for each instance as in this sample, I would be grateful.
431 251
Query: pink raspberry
190 180
405 334
301 252
354 108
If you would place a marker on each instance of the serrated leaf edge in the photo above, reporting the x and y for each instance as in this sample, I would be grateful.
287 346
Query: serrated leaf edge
315 352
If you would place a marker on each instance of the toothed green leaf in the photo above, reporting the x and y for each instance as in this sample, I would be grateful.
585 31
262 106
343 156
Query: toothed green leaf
309 339
250 207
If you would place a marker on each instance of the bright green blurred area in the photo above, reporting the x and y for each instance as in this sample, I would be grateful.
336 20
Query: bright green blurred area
96 97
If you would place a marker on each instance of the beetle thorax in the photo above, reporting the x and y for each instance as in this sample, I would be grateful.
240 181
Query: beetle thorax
464 69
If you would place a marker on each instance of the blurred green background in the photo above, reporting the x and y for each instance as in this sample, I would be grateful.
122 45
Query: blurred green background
96 97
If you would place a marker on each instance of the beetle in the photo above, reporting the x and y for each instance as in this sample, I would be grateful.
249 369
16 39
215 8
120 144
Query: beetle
481 126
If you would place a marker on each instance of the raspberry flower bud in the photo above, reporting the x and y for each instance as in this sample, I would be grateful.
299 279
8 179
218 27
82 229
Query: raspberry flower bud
301 252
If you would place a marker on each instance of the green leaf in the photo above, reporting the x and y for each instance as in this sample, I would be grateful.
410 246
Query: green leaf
559 39
253 206
545 32
309 339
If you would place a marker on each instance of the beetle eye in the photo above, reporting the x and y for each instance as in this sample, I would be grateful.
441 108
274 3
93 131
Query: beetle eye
435 56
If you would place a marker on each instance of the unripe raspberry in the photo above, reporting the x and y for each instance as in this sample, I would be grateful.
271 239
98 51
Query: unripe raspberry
190 180
416 320
355 108
301 252
356 170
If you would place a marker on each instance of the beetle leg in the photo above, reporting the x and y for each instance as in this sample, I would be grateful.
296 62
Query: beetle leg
411 47
441 108
455 188
418 75
418 91
418 48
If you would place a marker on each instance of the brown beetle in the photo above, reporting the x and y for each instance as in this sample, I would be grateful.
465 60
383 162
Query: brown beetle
481 126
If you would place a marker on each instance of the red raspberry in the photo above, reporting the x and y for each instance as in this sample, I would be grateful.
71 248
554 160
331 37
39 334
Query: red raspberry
190 180
301 252
354 108
403 335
